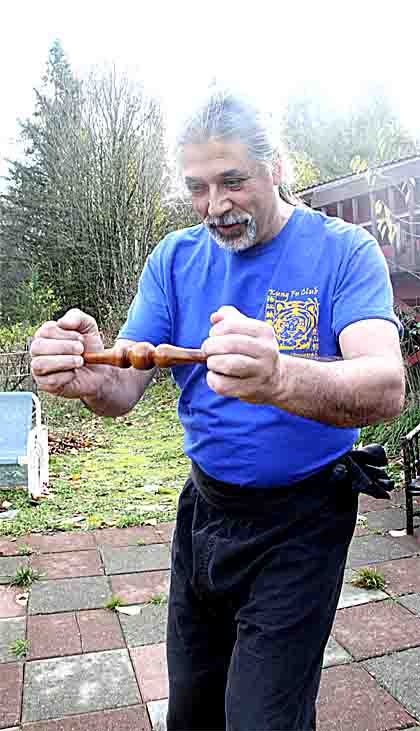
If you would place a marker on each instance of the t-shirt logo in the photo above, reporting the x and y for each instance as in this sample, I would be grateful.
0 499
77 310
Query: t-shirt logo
294 316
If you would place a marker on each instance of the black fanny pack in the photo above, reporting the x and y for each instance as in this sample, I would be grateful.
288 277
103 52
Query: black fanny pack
367 470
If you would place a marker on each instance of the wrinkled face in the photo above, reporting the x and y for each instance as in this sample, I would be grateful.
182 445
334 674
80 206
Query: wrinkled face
235 197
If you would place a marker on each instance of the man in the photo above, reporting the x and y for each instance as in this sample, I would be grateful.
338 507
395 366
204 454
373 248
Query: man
266 518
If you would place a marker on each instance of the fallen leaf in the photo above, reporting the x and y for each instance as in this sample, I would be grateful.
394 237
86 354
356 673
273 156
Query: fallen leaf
398 533
22 599
131 610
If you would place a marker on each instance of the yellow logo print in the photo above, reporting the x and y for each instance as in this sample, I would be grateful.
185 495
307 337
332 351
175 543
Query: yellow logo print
294 316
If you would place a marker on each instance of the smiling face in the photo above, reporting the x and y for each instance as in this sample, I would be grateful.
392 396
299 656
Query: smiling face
236 197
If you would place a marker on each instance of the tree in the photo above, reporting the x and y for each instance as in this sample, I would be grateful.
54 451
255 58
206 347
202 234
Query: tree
328 140
85 206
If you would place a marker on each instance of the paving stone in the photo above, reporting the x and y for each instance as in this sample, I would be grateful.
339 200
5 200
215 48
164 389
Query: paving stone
53 635
335 654
124 719
10 631
349 575
100 630
140 588
146 628
9 566
352 595
67 595
135 559
60 542
386 520
8 604
411 602
10 547
350 700
151 670
367 504
126 536
158 711
401 576
68 565
400 674
375 628
80 684
374 549
11 679
165 531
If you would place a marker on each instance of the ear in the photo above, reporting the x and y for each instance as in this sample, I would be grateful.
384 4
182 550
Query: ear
277 171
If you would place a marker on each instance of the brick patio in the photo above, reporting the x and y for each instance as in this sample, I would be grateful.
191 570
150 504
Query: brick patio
92 669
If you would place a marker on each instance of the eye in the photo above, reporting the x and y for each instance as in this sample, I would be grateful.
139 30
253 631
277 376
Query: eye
234 183
196 188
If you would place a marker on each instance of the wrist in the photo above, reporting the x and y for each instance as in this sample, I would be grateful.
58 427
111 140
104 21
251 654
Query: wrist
279 389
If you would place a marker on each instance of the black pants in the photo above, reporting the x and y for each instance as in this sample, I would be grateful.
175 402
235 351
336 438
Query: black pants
254 589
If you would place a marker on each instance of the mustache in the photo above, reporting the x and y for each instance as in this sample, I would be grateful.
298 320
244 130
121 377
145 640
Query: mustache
229 219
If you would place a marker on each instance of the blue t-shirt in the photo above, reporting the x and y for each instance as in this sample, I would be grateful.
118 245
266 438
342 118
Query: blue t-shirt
317 276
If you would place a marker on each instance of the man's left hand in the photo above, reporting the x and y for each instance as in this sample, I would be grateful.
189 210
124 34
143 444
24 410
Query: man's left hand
243 360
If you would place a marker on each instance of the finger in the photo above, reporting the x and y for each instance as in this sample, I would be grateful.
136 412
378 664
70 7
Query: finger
55 382
55 346
232 344
75 319
237 366
52 330
242 326
225 311
231 387
45 364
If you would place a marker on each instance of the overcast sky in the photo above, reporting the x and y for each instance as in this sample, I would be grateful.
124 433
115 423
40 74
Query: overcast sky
177 46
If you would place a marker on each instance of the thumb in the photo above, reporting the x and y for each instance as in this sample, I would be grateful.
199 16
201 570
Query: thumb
77 320
223 312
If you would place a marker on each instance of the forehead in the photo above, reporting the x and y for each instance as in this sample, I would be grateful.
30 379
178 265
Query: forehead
212 158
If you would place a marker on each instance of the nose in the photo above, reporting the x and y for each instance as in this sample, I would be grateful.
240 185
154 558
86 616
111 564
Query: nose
219 203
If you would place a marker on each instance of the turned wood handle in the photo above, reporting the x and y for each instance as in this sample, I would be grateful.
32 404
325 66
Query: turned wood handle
145 356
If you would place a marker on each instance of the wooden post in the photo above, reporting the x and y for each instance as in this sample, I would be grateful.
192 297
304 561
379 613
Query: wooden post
373 215
340 209
355 210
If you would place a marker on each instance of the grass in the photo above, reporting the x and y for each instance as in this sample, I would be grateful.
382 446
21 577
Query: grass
115 601
390 433
122 472
369 579
20 648
159 600
25 576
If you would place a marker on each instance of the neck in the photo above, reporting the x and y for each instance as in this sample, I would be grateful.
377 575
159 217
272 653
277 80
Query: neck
282 213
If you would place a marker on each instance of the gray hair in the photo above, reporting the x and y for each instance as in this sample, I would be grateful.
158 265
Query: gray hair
225 115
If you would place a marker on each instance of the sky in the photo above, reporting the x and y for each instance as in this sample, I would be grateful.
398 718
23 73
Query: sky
177 47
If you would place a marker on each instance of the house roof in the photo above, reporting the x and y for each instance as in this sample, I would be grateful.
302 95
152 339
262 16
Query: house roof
350 186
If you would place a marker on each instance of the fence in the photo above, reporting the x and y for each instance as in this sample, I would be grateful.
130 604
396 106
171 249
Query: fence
15 371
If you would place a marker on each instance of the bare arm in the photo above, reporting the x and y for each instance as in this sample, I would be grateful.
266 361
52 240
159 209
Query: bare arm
365 388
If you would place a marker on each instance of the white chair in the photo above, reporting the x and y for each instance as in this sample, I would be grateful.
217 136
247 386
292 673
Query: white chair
24 439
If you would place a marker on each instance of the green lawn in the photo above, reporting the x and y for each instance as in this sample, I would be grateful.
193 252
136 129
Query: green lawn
107 472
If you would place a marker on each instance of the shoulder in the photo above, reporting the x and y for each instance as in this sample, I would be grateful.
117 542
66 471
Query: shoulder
179 243
337 236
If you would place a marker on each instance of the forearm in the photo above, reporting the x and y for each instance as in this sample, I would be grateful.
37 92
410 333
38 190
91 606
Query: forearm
350 393
119 390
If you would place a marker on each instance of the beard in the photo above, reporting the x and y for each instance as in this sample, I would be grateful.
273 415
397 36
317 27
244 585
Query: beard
239 242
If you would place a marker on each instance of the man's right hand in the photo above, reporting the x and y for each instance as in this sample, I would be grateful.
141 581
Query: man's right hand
57 363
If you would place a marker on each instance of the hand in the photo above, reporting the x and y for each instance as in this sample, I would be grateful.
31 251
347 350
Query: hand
56 350
242 357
